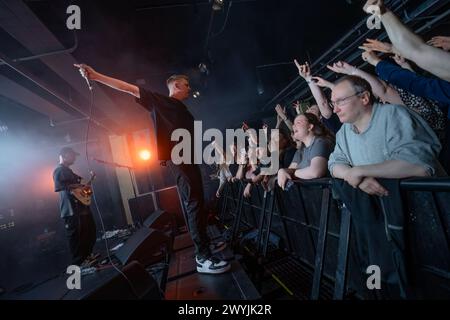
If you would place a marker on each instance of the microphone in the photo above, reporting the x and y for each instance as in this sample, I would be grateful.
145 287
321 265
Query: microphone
84 75
113 164
98 160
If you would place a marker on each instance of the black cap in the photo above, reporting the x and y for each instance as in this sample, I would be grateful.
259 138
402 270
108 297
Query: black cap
67 150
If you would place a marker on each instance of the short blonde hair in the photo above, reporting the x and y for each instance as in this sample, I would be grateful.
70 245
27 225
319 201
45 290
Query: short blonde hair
176 77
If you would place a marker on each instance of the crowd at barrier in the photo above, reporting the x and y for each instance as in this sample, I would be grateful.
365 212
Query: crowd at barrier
367 131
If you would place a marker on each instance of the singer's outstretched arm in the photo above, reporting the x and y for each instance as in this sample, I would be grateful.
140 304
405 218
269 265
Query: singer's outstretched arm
117 84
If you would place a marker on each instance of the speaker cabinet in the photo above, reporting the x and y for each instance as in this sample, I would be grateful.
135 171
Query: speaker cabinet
162 221
134 283
141 207
147 246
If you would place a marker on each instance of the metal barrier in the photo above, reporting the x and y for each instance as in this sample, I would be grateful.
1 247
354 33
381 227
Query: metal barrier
273 204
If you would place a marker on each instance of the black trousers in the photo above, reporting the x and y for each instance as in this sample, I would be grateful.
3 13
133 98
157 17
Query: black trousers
81 233
190 187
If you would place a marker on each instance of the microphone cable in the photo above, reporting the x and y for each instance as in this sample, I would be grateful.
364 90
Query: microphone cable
108 253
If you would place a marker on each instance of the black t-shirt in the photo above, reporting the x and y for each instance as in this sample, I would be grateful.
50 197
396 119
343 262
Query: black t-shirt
169 114
333 123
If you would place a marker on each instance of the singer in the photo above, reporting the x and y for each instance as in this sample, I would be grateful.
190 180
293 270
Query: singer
170 113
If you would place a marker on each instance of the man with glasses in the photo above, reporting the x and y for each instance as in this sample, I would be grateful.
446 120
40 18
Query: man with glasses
378 141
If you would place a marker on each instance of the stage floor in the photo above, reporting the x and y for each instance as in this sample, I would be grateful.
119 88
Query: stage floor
180 280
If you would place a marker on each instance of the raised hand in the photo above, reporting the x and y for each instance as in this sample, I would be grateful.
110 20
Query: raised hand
86 71
370 57
253 139
440 42
279 121
375 45
296 105
323 83
304 70
281 112
342 67
274 144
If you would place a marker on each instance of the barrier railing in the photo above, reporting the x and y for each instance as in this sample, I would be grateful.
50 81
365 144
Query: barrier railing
312 206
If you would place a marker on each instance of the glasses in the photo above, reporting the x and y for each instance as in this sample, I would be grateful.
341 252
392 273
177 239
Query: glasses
340 102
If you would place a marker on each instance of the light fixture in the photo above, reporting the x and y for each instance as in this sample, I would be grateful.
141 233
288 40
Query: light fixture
217 5
196 94
259 83
260 88
203 68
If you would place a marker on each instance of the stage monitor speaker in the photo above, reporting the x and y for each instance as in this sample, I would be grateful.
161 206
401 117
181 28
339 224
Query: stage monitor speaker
138 284
141 207
147 246
162 221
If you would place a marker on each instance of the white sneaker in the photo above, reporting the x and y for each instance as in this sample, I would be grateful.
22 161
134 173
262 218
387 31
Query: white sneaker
217 247
212 265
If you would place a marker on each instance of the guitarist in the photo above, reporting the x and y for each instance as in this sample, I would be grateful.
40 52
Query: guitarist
79 223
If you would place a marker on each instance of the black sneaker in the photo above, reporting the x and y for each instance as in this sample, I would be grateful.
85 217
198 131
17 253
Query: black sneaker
217 246
211 265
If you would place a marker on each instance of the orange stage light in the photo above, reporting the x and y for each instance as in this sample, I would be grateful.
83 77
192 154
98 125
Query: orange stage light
145 155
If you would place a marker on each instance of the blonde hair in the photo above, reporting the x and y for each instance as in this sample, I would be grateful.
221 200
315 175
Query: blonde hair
176 77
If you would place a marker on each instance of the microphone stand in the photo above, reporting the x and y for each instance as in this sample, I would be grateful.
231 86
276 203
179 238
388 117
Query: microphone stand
116 165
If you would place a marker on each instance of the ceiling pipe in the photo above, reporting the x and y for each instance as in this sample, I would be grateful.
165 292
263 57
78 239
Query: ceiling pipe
51 53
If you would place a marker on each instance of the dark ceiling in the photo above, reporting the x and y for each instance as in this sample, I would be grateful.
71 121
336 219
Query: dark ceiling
139 40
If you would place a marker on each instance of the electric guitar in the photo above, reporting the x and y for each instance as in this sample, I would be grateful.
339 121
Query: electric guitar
83 193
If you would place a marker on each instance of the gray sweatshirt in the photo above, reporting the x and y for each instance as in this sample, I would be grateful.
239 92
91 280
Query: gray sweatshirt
394 133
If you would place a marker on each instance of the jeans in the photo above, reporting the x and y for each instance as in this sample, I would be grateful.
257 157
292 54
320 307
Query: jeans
190 187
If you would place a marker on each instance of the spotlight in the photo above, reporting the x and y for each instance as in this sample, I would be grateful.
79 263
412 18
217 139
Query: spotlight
145 155
217 5
203 68
196 94
260 89
259 84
